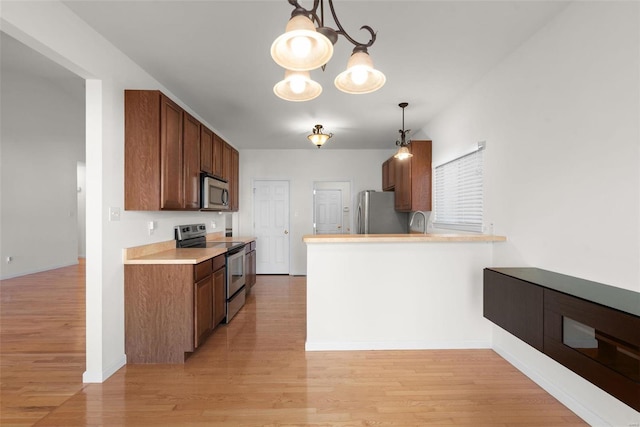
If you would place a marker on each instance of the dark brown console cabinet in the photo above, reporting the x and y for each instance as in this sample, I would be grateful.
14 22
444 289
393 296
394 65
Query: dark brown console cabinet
591 328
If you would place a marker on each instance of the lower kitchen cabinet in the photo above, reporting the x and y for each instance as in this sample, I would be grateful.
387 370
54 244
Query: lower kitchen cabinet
250 265
170 310
219 296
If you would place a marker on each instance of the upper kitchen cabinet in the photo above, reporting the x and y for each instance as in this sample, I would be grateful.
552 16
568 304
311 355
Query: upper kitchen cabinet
413 179
206 150
218 144
191 160
234 186
162 153
389 174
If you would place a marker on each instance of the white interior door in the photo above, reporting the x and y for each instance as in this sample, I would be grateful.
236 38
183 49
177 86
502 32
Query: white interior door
328 211
271 226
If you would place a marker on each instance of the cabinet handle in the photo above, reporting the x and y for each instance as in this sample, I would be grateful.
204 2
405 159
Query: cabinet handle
286 232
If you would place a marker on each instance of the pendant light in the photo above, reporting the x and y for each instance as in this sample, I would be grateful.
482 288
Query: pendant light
402 143
297 86
318 137
305 47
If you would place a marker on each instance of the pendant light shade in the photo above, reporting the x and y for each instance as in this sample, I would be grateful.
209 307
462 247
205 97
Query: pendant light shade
403 153
301 47
318 137
297 86
360 76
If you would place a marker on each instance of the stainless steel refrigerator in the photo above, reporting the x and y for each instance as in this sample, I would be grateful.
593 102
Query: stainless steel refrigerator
376 214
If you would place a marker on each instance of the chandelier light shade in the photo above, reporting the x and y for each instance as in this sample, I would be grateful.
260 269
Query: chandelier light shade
402 143
318 137
360 76
301 47
307 44
297 86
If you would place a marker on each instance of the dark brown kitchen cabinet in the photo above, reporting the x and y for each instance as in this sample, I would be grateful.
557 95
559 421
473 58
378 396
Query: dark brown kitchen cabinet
389 174
250 265
158 167
203 309
413 179
218 144
206 150
234 181
219 290
219 293
171 309
191 162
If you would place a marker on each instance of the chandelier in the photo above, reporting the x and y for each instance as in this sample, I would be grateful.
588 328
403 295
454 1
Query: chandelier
402 143
304 47
318 137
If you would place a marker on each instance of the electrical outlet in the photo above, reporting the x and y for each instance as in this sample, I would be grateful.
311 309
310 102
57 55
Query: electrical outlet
213 224
114 214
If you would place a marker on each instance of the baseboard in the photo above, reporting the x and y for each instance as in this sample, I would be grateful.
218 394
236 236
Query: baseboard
38 270
565 398
100 377
399 345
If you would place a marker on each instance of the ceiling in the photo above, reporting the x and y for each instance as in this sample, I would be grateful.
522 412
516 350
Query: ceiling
214 56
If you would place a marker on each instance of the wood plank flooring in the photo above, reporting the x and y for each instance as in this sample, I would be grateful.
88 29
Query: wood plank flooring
252 372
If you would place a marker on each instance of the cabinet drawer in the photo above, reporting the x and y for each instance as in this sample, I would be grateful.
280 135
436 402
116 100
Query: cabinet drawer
202 270
218 262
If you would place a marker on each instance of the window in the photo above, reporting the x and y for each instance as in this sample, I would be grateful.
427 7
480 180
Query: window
459 192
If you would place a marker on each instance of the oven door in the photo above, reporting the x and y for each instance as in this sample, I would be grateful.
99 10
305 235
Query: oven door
236 293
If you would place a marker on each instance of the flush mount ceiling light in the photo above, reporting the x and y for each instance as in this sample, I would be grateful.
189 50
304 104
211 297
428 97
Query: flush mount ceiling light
402 143
305 47
318 137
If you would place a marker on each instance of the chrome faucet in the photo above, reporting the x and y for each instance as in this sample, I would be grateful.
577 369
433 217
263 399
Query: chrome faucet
424 222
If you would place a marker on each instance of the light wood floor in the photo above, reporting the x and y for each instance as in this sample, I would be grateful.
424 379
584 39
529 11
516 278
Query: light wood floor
252 372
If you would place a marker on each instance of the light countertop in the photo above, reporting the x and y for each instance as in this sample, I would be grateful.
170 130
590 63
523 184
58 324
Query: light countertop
167 253
400 238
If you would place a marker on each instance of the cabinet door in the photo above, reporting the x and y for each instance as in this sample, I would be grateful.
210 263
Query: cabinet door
218 144
389 174
203 309
234 179
226 161
251 268
191 161
219 297
403 185
206 150
171 181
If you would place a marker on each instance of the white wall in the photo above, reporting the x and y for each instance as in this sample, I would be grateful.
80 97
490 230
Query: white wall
363 168
53 30
42 138
561 120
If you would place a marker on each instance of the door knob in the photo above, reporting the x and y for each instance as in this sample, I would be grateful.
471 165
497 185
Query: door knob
286 232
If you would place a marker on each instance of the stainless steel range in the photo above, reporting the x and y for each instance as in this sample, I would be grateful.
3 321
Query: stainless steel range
194 236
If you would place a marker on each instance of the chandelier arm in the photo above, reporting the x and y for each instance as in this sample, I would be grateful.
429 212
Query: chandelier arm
347 36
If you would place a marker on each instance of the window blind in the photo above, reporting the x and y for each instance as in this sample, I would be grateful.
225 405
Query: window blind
459 193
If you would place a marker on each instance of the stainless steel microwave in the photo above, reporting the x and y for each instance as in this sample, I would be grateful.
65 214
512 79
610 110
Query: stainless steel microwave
215 193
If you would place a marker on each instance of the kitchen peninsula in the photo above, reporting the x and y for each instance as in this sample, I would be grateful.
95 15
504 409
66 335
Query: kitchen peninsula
397 291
